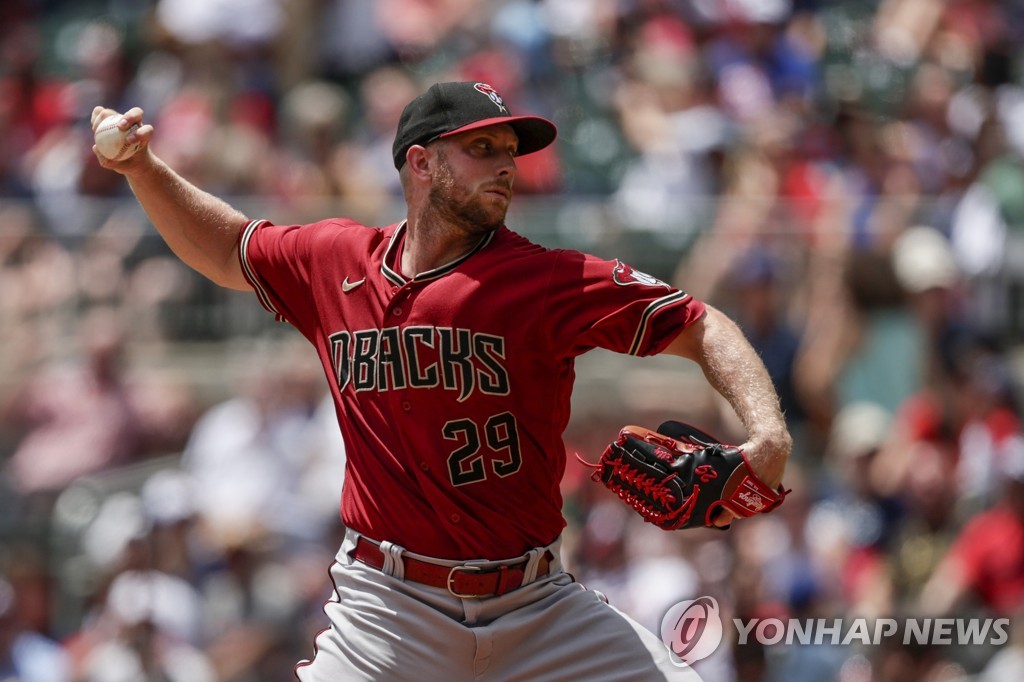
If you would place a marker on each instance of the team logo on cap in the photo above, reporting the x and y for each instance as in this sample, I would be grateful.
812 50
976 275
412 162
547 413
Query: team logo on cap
492 94
624 275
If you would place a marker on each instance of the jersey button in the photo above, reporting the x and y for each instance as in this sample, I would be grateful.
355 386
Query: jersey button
394 290
407 406
424 466
397 312
455 518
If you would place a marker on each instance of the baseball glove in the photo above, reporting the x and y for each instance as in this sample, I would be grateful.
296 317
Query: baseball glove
680 477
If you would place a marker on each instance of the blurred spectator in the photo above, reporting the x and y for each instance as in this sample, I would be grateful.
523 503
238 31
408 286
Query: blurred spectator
1005 665
928 416
352 156
27 656
985 564
991 439
865 515
39 279
349 40
986 216
417 29
758 291
861 341
986 232
257 459
929 521
675 130
76 418
315 116
757 63
926 270
142 632
192 22
636 568
743 224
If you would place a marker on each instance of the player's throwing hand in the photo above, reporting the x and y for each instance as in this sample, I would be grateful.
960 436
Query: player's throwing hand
141 136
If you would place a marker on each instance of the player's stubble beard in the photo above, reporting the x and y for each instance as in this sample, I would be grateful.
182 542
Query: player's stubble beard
456 205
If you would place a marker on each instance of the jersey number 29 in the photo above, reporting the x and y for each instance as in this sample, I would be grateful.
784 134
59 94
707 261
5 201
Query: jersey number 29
467 463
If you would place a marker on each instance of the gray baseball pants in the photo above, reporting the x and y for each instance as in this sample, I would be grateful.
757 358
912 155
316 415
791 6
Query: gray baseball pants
551 629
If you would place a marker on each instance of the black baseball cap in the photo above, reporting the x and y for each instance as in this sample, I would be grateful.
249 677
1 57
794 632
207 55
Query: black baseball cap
450 108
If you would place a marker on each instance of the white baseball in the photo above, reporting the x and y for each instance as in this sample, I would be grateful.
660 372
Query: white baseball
110 140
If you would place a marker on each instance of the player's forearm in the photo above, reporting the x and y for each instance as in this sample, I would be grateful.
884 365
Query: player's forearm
201 229
734 369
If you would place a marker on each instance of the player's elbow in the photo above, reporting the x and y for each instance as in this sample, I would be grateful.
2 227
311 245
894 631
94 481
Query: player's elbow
782 444
775 444
229 279
226 272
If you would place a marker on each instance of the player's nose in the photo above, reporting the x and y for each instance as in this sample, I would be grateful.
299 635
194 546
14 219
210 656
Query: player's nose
507 167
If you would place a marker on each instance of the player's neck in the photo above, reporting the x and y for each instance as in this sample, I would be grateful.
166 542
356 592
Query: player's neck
430 244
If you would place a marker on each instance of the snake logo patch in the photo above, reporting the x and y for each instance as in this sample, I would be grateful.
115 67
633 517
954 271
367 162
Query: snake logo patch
492 94
624 275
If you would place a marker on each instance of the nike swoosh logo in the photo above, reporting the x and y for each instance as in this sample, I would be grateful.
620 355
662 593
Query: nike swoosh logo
347 286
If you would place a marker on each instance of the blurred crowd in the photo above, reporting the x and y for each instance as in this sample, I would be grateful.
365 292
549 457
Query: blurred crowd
844 178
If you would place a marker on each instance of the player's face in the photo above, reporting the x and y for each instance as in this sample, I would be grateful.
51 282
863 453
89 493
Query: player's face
472 184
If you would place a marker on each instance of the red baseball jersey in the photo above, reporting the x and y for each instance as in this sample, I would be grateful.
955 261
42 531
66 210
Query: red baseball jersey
453 388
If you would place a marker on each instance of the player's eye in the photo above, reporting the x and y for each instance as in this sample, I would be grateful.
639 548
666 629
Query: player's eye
489 148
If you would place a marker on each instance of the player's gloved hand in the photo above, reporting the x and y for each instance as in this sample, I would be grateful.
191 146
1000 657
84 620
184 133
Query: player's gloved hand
680 477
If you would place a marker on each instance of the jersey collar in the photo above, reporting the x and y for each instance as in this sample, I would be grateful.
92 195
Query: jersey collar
391 254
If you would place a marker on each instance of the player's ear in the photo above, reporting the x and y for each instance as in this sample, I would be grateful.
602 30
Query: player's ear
418 160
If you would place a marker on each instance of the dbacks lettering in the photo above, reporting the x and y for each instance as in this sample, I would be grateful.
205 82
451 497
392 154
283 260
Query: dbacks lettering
420 357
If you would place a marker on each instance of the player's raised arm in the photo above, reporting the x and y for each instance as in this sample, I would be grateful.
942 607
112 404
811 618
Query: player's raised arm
202 230
734 369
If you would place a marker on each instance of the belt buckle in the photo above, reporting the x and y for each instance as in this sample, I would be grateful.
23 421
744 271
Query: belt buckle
468 568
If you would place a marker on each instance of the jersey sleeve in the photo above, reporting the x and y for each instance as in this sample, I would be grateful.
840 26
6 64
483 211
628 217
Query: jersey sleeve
276 262
596 303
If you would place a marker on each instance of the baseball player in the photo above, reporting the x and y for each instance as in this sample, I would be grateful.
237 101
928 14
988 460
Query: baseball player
448 342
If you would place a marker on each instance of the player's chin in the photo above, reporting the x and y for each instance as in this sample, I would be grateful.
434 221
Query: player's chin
491 212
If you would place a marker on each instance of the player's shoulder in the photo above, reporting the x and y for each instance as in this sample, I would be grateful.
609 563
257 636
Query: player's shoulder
347 226
346 230
515 244
568 265
538 255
